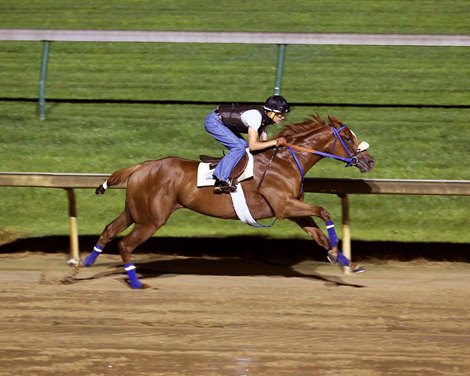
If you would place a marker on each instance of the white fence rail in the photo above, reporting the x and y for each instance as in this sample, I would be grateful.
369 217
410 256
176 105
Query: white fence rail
281 39
340 187
234 37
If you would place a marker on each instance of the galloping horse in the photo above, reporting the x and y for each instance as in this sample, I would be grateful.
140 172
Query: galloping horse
156 188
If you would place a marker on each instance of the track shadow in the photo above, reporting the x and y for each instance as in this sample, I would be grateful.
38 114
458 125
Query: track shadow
233 267
284 251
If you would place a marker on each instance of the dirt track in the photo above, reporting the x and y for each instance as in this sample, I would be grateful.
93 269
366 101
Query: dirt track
208 316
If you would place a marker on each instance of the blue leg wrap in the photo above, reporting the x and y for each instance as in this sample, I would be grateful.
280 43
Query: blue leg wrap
131 273
330 227
91 258
343 260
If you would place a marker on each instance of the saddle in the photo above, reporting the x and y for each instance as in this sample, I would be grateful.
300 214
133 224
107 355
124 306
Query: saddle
236 172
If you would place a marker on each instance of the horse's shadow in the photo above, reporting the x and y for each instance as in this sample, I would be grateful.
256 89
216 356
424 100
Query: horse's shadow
224 267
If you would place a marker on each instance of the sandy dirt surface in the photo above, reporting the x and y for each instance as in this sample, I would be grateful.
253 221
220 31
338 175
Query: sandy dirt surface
231 316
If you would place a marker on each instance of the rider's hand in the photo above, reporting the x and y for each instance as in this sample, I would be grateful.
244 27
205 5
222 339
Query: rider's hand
281 141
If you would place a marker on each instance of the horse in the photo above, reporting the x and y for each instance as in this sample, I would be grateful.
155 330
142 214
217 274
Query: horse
156 188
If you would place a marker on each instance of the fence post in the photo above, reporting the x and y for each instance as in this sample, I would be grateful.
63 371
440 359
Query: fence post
74 252
345 230
281 53
42 80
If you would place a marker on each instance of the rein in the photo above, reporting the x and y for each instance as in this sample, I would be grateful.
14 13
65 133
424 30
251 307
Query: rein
266 170
350 161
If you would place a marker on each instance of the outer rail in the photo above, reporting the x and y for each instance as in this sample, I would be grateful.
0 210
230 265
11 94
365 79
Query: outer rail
67 181
233 37
281 39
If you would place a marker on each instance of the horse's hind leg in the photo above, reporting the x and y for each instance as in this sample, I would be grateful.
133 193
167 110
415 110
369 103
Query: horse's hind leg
139 234
119 224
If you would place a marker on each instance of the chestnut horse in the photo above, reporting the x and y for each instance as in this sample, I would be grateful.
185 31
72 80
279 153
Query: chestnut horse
155 189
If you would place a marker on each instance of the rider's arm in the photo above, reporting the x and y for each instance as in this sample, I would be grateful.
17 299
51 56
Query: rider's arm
252 119
254 142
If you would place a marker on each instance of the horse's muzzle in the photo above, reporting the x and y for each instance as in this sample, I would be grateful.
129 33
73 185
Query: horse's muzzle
364 162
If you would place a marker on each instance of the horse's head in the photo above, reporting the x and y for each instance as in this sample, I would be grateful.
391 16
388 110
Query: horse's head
348 147
332 140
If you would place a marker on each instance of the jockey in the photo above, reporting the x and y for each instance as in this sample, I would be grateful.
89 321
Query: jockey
227 123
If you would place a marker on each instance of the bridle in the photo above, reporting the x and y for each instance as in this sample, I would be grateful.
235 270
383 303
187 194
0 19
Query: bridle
351 160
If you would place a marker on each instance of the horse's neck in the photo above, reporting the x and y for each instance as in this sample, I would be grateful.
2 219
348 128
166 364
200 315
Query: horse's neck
313 142
284 158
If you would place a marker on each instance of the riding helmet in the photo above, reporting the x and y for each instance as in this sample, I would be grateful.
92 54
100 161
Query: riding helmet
276 103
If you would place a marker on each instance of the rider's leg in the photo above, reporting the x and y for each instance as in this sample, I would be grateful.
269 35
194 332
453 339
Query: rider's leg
232 141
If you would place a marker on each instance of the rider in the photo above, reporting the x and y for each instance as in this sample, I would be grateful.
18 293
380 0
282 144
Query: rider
227 122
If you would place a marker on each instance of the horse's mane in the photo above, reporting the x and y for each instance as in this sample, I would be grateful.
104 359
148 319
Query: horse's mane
294 129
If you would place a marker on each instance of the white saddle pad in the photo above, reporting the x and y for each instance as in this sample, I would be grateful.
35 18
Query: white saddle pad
205 178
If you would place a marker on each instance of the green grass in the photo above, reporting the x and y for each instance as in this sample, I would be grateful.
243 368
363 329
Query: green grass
342 16
408 143
103 138
312 74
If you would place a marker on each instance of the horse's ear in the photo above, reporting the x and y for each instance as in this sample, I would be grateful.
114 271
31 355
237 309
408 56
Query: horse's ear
316 117
334 121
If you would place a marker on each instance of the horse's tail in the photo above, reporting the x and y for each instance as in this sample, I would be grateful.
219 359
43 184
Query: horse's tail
117 177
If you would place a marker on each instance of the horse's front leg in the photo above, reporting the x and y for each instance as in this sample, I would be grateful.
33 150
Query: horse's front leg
311 228
301 213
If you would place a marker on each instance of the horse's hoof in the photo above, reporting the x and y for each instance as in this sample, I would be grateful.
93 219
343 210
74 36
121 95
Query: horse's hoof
332 257
140 286
143 286
356 269
85 264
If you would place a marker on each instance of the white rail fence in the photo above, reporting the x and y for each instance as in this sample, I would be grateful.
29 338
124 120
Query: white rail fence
234 37
282 40
341 187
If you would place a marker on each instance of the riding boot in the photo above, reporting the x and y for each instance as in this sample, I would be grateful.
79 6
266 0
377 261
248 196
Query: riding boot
222 186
